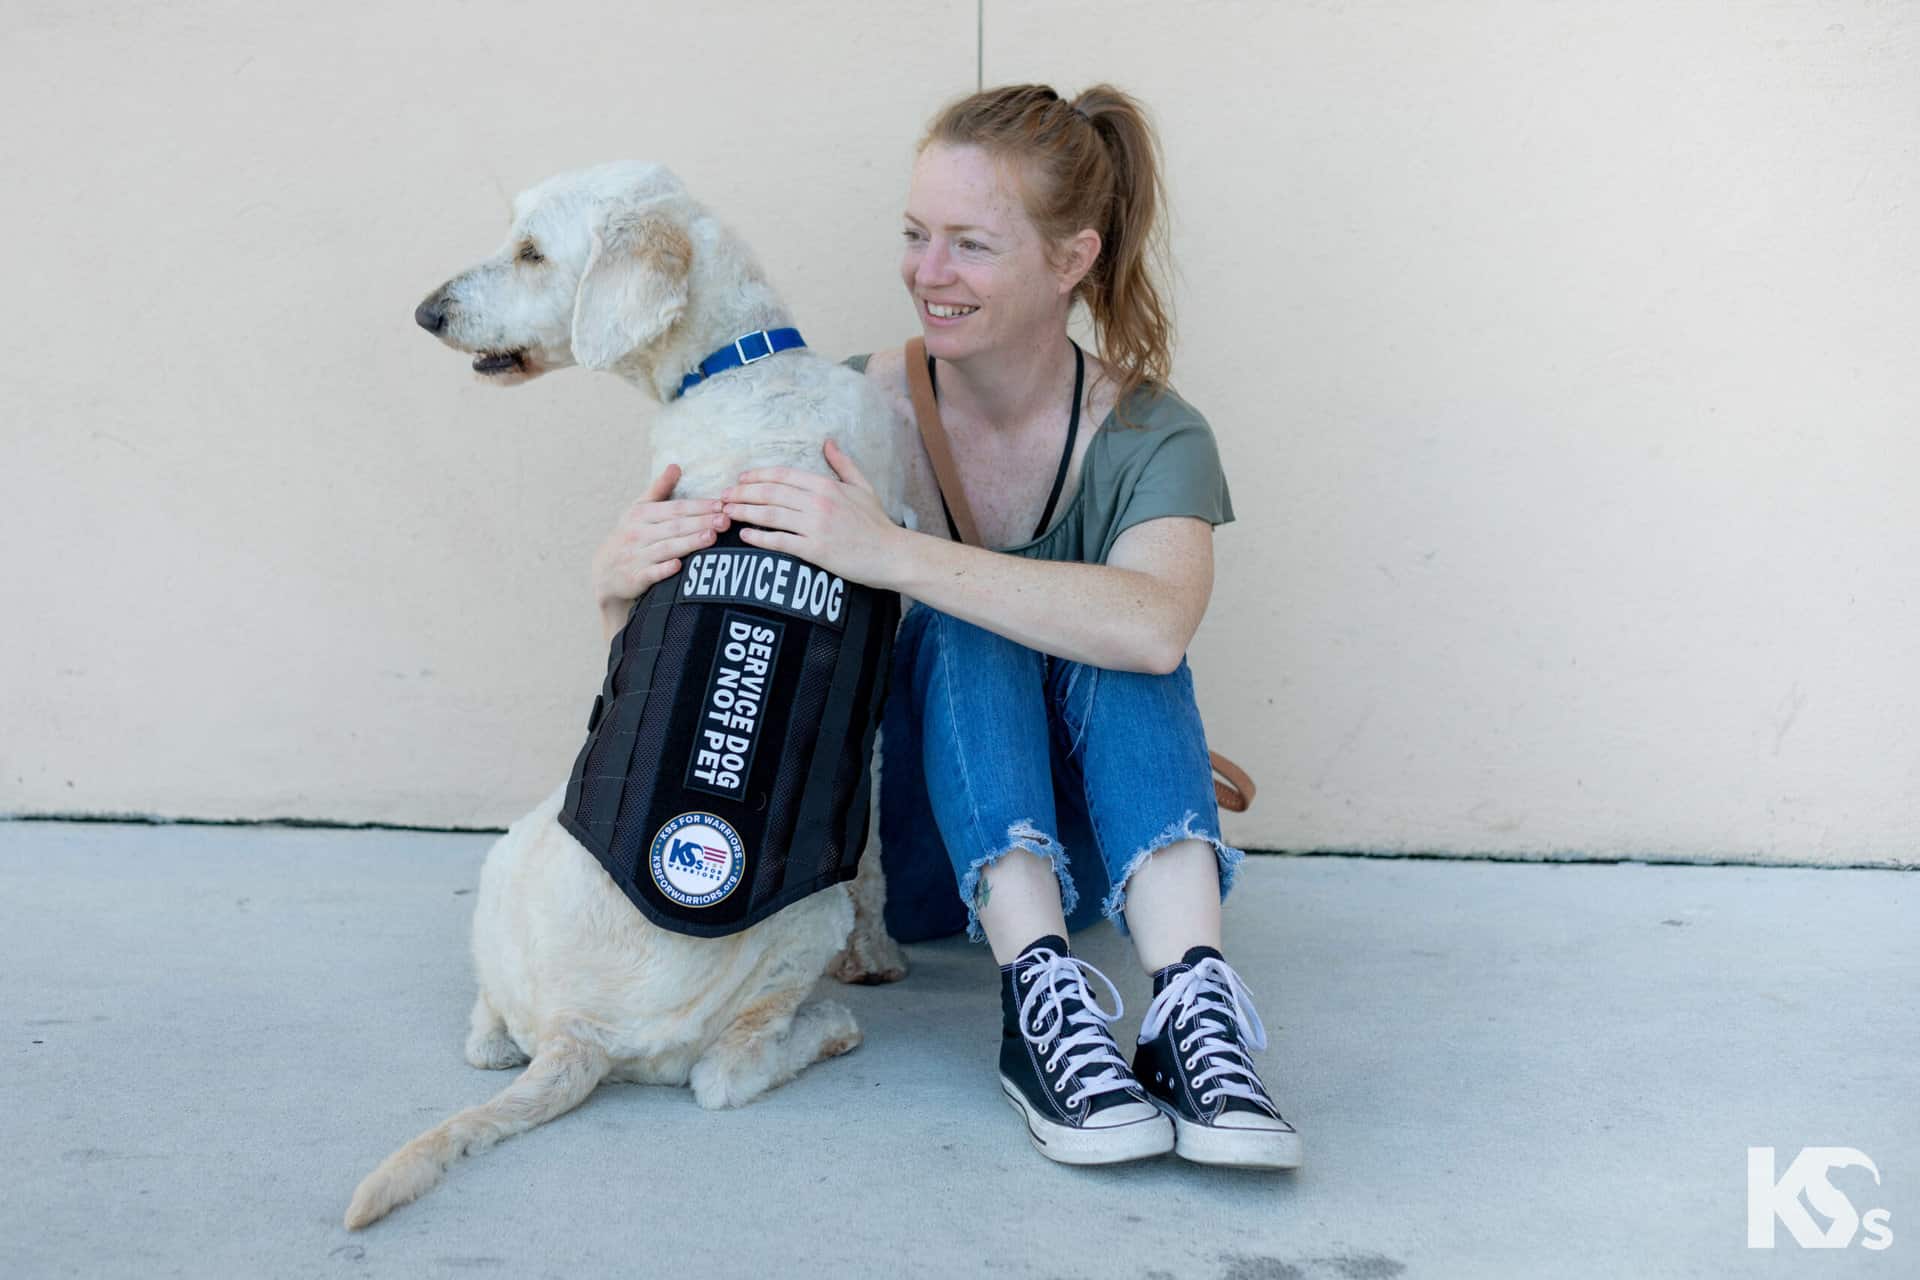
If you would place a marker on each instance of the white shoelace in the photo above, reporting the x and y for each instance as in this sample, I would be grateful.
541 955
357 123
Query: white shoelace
1212 988
1090 1046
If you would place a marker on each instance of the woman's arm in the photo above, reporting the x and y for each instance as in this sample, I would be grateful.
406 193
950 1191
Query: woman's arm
1137 612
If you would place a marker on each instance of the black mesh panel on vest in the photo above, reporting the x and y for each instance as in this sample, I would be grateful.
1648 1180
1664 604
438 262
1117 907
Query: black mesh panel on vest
650 740
726 769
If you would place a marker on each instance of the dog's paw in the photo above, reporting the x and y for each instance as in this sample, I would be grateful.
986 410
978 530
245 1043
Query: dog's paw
495 1051
716 1088
831 1025
871 957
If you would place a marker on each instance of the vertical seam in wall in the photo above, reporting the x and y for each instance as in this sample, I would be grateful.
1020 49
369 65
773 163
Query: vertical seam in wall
979 45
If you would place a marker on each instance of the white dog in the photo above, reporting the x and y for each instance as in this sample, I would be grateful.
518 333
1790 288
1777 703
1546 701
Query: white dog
617 268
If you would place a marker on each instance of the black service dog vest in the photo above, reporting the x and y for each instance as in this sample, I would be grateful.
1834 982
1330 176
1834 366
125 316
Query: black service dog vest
726 769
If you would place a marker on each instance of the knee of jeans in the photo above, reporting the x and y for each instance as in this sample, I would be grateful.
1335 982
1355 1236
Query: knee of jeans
1020 835
973 644
1226 857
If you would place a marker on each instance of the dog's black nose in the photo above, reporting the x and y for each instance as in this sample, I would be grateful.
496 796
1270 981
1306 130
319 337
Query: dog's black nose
429 316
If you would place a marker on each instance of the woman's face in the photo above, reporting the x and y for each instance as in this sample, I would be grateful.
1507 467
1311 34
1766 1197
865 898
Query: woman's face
973 262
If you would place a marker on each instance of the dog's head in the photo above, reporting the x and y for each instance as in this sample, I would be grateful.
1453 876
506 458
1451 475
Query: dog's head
594 270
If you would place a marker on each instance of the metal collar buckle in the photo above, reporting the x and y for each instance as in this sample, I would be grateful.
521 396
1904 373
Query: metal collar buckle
766 343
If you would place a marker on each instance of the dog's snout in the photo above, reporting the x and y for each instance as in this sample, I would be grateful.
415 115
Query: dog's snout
431 315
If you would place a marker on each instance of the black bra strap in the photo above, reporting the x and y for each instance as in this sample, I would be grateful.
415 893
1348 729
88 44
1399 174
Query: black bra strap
1066 455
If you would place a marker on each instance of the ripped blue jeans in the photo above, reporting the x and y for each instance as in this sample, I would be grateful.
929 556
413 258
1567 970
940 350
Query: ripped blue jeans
989 746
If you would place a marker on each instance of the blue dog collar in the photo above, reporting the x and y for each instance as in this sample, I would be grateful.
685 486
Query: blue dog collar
744 350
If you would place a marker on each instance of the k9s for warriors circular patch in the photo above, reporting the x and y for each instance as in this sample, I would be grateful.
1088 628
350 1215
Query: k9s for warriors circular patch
698 859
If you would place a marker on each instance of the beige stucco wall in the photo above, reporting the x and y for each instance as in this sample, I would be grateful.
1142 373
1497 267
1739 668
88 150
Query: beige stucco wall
1562 357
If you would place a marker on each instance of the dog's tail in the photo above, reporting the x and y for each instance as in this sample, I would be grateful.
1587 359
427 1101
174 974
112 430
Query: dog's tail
567 1068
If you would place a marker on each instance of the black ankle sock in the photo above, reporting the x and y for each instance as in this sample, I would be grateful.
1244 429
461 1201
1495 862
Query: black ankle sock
1161 977
1051 941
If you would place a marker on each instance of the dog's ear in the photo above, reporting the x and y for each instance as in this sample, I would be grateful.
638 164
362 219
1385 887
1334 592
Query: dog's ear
634 288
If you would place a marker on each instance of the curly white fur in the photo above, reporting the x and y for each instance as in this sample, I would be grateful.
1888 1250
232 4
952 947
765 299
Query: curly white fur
617 268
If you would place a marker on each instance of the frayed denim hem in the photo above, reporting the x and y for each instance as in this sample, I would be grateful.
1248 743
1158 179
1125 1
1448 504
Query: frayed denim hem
1229 858
1021 835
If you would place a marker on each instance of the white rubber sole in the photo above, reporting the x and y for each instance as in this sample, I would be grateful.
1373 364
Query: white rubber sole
1241 1148
1136 1140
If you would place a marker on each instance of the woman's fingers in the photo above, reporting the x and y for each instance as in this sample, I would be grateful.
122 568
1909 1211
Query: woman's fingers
662 487
682 545
684 525
650 512
842 463
771 495
768 517
812 481
770 539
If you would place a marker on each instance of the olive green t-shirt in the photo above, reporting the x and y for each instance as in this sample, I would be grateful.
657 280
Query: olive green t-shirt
1164 464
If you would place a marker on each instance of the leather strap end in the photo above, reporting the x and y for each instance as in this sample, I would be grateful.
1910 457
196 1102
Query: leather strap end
1233 789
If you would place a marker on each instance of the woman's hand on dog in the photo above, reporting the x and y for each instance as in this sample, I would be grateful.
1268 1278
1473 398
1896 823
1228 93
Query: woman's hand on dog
835 522
647 543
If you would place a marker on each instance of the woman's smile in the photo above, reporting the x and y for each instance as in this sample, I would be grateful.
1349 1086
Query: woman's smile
946 313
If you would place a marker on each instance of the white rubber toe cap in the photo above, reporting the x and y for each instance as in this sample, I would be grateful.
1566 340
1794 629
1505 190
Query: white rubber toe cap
1125 1113
1252 1122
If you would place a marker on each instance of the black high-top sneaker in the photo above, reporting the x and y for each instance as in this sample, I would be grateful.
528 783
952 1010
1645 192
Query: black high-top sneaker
1060 1068
1193 1059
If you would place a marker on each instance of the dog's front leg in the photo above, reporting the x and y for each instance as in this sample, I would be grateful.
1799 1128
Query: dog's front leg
871 956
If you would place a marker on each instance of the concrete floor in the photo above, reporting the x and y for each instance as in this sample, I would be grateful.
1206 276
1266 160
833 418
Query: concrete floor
1499 1069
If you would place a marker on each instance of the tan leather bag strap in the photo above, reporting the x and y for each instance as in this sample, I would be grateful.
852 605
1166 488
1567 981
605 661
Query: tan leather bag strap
934 436
1236 792
1233 789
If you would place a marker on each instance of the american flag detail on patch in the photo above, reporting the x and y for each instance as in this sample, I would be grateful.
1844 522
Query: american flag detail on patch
702 859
